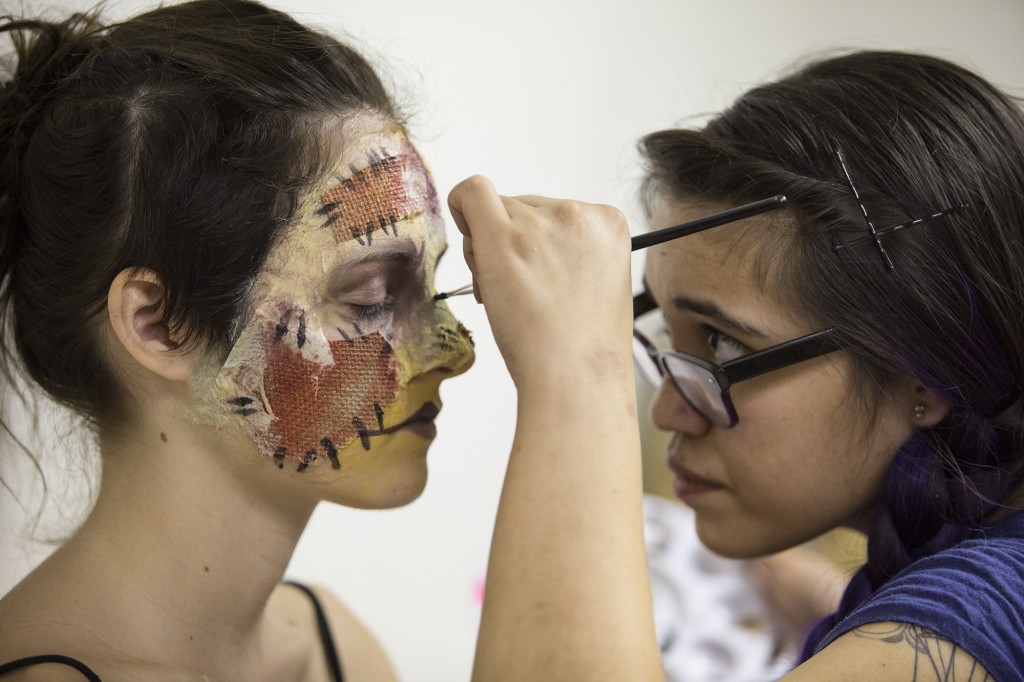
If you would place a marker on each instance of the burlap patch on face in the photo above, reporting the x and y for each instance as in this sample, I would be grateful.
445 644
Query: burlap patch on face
318 409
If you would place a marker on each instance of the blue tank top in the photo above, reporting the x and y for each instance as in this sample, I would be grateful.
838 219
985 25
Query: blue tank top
971 594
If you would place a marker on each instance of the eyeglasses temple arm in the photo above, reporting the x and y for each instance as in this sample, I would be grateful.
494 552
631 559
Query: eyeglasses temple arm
783 355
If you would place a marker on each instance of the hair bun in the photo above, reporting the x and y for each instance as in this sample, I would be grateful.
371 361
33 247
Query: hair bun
41 58
13 110
11 97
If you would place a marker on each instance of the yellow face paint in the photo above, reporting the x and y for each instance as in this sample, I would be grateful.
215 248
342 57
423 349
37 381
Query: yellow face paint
345 326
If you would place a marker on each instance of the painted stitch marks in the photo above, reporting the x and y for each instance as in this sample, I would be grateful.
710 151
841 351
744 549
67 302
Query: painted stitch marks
281 328
374 198
308 399
448 339
304 407
244 405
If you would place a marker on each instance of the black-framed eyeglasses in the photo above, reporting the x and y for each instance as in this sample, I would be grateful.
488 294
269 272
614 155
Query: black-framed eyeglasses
705 385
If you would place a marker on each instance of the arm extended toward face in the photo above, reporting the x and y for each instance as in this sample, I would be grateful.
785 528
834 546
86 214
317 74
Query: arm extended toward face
567 588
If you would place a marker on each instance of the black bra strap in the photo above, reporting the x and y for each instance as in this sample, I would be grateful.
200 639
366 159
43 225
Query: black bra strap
325 633
321 619
50 658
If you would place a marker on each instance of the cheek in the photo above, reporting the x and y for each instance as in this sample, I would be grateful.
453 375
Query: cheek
304 397
319 409
808 448
794 429
810 401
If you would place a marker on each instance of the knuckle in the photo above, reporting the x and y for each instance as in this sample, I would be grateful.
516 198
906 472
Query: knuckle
568 212
613 216
617 222
611 222
475 184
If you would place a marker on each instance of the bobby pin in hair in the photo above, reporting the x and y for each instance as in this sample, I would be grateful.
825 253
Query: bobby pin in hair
874 234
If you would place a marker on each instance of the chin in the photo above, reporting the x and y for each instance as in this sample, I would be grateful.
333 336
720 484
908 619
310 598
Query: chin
731 542
399 493
394 475
391 493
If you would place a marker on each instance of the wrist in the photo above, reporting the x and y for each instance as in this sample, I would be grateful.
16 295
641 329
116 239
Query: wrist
576 370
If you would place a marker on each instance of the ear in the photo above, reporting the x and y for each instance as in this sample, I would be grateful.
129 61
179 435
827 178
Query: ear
135 307
927 409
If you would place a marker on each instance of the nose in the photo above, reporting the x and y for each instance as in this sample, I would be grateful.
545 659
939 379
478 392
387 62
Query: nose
445 347
671 412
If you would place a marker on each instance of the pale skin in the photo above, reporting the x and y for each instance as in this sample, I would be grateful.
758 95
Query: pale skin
161 593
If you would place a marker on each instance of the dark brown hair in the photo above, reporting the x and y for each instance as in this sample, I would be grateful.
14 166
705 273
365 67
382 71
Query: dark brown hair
180 141
920 134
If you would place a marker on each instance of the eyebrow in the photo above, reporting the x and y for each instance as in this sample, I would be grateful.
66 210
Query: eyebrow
403 252
708 309
400 250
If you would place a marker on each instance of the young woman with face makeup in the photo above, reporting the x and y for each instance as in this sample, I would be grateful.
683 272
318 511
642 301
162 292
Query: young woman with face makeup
218 247
854 359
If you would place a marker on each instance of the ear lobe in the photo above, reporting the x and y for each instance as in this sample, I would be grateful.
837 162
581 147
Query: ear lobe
929 409
135 308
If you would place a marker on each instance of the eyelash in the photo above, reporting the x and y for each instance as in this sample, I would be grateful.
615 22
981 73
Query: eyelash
717 337
372 312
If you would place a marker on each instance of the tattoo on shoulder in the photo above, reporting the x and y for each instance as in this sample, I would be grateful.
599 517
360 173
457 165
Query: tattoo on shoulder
936 659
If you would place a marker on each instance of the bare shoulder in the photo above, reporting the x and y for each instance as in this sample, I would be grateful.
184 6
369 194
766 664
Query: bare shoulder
44 672
891 651
31 628
362 657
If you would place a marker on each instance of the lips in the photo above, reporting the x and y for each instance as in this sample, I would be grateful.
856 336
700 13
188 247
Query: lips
688 485
420 422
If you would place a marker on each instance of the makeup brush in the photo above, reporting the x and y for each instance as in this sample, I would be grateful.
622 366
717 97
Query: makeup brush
461 291
667 234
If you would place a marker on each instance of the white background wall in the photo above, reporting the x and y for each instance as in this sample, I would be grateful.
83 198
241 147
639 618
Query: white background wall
547 98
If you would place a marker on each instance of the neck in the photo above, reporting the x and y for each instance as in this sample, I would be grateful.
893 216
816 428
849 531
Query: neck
188 541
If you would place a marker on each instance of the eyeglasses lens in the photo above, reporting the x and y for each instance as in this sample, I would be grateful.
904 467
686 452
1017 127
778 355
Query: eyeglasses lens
652 329
697 384
699 387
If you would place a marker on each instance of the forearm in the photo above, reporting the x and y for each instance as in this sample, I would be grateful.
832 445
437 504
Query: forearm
567 587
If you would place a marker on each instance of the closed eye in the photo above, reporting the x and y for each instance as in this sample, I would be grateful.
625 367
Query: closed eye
376 310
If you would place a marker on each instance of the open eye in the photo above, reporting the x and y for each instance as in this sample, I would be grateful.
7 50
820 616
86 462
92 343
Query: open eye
723 347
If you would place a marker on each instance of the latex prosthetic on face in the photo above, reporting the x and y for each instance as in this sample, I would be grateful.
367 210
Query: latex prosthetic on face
331 363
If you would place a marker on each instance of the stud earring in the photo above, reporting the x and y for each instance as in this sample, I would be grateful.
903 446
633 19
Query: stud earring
919 410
